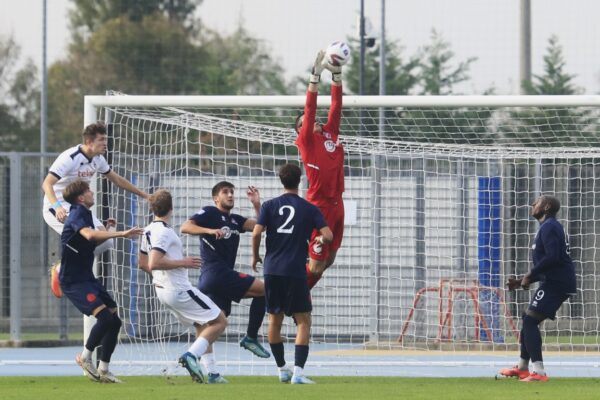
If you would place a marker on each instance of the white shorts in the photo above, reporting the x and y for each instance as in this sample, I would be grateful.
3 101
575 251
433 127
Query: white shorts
58 226
189 306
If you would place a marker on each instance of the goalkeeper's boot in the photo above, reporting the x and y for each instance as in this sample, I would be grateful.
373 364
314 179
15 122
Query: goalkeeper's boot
190 362
108 377
535 377
514 372
301 380
285 375
253 346
88 367
216 378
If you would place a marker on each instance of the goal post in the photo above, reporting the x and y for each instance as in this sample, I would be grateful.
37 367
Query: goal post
437 211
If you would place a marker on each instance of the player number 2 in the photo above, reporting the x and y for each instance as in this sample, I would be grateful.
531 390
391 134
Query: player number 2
283 228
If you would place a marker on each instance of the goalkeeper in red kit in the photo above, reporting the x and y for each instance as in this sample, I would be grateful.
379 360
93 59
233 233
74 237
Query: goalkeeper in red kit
323 156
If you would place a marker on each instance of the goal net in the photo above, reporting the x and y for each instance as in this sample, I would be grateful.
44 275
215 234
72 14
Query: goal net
437 199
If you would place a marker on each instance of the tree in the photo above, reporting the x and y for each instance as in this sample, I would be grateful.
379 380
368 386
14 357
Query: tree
19 99
90 16
555 79
153 55
437 76
242 64
400 75
551 127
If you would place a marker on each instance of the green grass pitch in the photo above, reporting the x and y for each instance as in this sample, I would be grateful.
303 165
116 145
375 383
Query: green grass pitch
267 388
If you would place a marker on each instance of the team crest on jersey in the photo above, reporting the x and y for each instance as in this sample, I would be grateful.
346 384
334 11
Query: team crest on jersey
327 135
233 221
329 146
223 218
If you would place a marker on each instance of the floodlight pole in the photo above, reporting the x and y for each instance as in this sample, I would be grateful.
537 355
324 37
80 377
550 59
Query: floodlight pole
525 45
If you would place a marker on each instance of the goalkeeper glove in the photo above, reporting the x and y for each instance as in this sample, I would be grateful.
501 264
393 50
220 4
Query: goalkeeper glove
336 72
317 68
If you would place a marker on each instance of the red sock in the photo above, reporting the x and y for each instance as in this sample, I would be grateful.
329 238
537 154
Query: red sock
312 278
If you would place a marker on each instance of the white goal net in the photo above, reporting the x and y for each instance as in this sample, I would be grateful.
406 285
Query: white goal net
437 201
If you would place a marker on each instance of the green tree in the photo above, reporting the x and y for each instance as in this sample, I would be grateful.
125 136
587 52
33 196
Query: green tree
242 64
544 126
437 75
19 99
92 15
155 55
400 74
555 79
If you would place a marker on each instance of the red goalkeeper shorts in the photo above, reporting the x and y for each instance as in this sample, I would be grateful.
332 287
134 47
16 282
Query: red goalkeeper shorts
334 216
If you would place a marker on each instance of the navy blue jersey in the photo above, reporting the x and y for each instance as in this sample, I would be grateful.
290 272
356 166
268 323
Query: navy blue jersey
77 252
219 253
289 221
552 263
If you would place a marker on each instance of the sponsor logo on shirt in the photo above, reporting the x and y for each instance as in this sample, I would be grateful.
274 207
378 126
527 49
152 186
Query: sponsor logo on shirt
85 174
227 232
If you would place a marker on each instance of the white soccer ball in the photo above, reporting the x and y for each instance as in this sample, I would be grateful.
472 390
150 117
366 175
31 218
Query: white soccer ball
337 54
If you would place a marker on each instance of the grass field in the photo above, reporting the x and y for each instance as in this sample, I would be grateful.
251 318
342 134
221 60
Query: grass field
267 388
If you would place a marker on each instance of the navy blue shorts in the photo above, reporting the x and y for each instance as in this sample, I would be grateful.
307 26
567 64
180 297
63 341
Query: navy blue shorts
547 300
224 285
88 295
287 295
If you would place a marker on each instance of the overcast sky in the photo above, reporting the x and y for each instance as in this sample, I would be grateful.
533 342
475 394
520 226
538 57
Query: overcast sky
295 29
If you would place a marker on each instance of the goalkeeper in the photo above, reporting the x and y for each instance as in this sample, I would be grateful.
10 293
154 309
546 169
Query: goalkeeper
323 156
553 267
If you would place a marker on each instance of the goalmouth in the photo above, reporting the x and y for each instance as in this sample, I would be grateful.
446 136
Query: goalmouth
437 199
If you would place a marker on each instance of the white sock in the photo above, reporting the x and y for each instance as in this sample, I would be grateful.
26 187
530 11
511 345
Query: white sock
284 368
199 346
86 354
538 368
523 364
298 371
103 366
209 362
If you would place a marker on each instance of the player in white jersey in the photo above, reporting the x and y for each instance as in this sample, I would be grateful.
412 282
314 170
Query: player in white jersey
80 162
161 255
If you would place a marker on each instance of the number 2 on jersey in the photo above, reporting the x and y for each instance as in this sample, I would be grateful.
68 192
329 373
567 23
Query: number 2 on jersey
283 228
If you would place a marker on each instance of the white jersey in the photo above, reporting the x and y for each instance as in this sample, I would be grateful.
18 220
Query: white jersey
160 236
71 165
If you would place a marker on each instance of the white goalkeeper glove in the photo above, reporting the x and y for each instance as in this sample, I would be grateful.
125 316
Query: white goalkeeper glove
317 68
336 72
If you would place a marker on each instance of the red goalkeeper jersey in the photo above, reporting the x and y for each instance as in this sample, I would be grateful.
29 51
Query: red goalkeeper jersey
323 154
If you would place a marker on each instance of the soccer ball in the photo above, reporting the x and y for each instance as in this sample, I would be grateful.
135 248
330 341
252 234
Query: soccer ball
337 54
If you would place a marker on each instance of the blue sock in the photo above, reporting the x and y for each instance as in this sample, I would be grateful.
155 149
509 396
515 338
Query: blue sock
256 317
524 354
102 325
109 341
301 355
277 350
532 338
